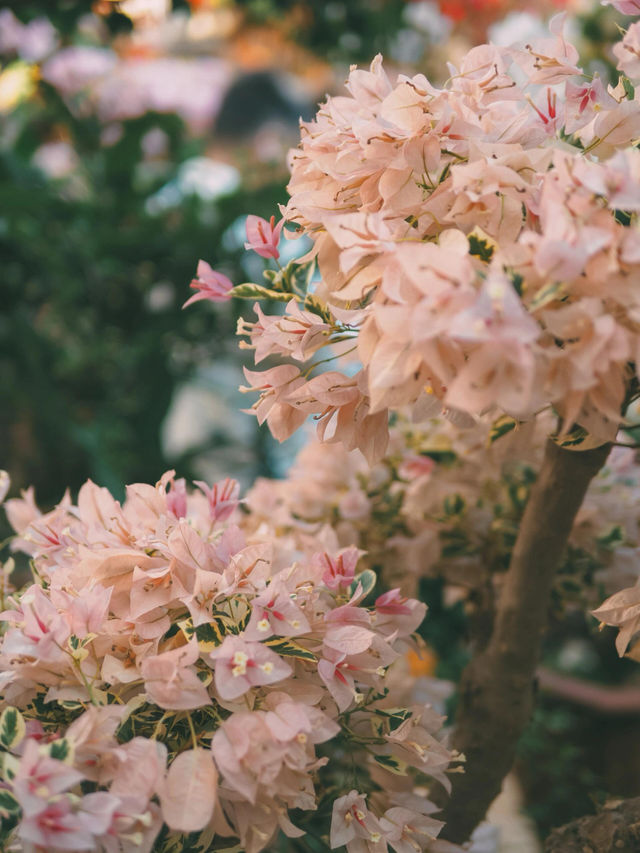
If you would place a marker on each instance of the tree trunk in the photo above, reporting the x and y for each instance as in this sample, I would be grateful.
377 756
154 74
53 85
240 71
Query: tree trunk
496 691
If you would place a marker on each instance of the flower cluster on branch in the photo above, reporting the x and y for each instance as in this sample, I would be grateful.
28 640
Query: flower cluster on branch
170 673
460 236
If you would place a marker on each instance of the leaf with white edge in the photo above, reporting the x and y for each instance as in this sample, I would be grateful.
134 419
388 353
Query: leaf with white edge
300 275
552 292
367 580
188 792
8 803
289 648
62 750
316 306
481 245
248 290
209 634
12 728
9 766
395 716
577 439
392 764
500 427
187 628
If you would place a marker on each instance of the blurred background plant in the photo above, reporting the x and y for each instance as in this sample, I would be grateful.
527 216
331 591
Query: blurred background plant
136 136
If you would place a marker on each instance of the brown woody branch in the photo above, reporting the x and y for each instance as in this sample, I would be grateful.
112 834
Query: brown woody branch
496 691
604 699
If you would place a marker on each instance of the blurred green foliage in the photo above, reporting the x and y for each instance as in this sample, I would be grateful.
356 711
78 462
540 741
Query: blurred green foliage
93 341
340 31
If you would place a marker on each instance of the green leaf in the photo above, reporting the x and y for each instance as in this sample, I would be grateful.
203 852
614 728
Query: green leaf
481 245
186 626
12 728
209 634
8 803
367 580
317 306
517 280
553 292
500 427
300 275
395 716
287 647
611 539
575 438
442 455
248 290
455 543
454 504
61 750
629 88
392 764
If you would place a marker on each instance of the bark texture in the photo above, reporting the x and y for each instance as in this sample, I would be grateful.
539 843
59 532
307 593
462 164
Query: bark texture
496 691
615 830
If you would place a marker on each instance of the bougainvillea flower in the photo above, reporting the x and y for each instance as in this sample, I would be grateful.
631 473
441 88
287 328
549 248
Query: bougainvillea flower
263 237
211 285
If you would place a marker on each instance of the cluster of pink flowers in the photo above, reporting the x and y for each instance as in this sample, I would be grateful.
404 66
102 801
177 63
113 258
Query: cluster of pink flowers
174 667
443 498
462 235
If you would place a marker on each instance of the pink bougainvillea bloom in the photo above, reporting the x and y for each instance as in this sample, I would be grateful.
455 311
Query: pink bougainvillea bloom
275 612
626 7
56 827
177 498
627 52
275 385
397 614
339 570
210 285
222 497
240 665
170 681
353 825
392 602
39 778
334 670
414 466
263 237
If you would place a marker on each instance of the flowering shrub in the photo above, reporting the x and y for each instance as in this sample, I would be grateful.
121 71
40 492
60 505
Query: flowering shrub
447 502
461 235
170 676
186 672
474 258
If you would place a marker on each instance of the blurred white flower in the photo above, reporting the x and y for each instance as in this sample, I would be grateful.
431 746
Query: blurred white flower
427 17
5 483
32 42
56 159
200 176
